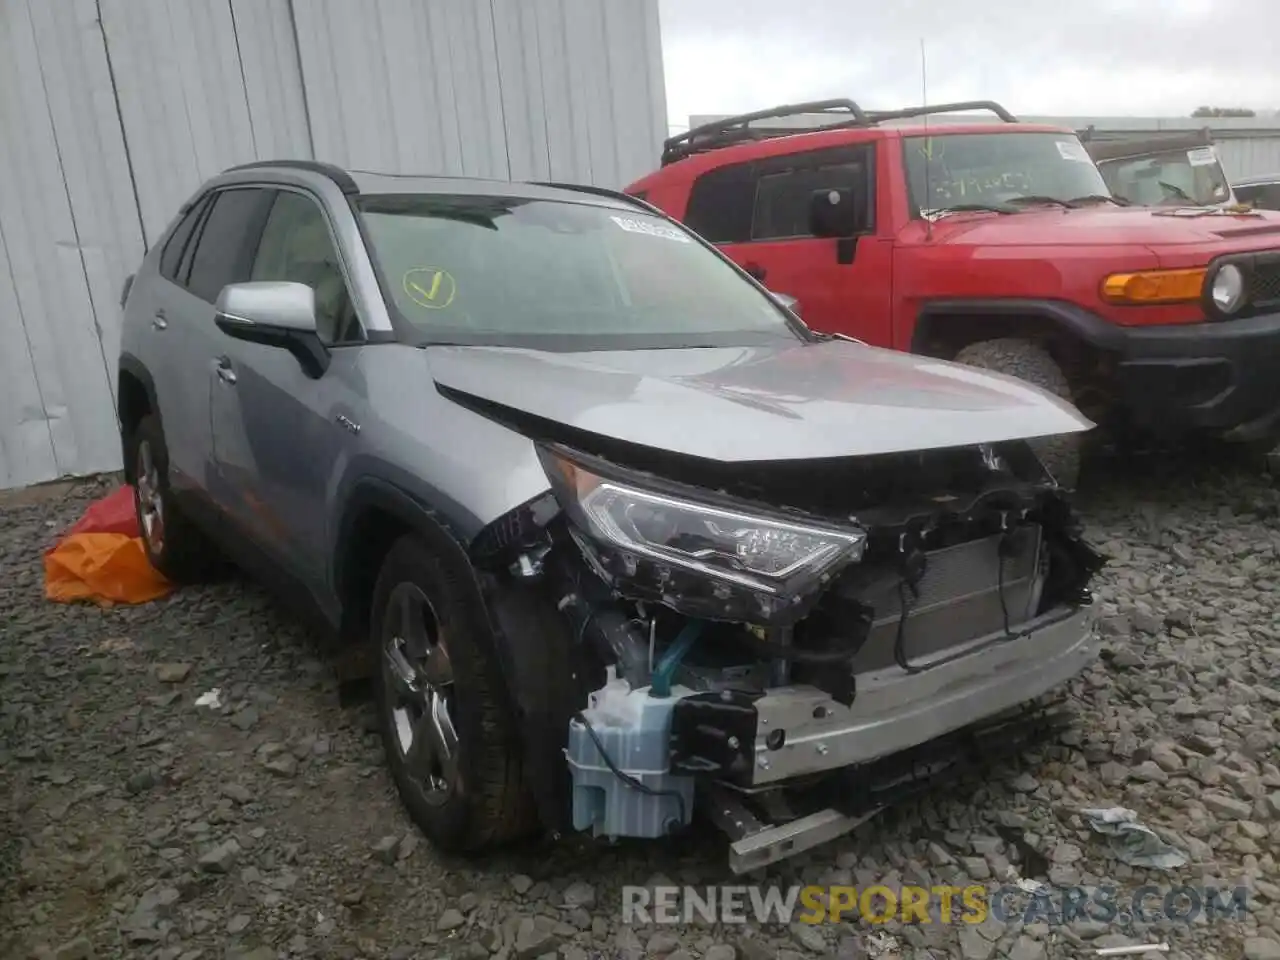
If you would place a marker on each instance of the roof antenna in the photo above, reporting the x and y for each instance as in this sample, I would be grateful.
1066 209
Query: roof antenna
928 157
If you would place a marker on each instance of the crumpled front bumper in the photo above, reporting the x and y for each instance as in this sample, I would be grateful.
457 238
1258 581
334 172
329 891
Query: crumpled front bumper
894 710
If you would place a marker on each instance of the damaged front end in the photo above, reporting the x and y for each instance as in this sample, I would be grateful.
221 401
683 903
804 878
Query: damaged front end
766 639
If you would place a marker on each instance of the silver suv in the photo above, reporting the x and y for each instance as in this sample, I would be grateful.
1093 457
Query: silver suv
618 534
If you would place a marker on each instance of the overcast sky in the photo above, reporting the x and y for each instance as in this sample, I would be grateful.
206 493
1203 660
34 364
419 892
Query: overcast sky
1057 57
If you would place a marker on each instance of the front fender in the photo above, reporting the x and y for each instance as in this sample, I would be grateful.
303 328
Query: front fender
1060 316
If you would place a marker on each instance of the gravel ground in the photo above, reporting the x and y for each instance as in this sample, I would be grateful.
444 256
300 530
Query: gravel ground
137 823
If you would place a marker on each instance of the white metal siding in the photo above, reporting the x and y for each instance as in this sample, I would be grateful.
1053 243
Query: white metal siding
113 111
526 89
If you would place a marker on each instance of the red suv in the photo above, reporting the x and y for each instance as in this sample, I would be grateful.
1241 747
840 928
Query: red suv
999 245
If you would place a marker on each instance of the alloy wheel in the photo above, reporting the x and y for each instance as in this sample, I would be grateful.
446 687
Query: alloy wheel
150 502
419 678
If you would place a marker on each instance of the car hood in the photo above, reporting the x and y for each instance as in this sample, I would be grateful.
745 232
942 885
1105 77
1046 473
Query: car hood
1104 225
743 404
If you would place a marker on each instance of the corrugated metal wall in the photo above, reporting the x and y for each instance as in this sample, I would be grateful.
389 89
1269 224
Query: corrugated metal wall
113 111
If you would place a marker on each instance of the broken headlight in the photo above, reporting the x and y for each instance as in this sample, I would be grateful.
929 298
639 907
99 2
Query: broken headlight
665 544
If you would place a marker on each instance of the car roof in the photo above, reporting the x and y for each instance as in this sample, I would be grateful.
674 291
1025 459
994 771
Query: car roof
804 140
371 183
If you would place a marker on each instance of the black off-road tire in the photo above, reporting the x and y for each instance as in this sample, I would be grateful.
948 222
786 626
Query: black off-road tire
1029 361
490 806
185 555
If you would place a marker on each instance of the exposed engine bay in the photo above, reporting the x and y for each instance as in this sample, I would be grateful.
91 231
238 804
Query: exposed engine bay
755 640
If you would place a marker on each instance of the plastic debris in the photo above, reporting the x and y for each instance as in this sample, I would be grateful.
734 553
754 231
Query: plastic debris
1132 843
881 944
1033 887
1132 951
210 698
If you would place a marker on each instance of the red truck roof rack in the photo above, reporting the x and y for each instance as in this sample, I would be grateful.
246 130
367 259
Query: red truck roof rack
738 129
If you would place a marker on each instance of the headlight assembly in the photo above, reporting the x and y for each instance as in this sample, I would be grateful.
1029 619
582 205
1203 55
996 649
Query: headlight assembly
1227 289
657 537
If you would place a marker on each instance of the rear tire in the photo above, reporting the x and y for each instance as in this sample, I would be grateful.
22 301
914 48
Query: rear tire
174 544
447 730
1029 361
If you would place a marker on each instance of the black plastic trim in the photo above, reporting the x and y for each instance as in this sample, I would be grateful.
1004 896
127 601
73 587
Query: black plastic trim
1067 316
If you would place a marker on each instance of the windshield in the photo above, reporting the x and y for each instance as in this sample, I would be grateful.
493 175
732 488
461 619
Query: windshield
558 275
1170 178
990 169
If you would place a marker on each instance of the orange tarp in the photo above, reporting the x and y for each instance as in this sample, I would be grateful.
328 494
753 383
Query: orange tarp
101 558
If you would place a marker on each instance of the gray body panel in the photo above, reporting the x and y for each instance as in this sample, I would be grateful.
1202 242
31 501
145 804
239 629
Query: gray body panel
743 404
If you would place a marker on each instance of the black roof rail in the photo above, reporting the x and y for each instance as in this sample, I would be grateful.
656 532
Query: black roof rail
731 130
962 106
339 176
598 192
737 129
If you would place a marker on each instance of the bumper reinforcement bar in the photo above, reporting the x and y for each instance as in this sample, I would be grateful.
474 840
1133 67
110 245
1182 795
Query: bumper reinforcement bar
849 798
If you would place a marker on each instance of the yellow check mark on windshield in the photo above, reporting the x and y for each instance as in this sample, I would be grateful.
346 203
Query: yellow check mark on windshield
436 295
435 287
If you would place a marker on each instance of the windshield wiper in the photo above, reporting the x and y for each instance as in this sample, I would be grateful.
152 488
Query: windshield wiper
966 208
1099 198
1038 199
1177 191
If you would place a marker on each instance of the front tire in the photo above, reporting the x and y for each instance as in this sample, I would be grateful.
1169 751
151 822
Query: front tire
441 711
174 544
1029 361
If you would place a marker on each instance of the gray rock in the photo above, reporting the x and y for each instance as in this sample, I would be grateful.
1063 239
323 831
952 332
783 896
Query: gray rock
1261 948
245 719
451 919
973 945
534 939
172 672
1024 783
1224 806
580 894
521 883
221 858
284 765
1025 948
237 792
408 845
661 944
78 949
386 848
809 936
238 923
720 951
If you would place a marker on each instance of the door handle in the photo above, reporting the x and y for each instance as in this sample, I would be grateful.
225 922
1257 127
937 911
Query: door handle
755 270
225 373
160 321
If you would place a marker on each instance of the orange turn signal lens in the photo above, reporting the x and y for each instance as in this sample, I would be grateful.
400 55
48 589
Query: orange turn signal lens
1155 286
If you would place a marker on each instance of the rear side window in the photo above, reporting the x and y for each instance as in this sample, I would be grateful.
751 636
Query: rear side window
225 248
171 256
720 204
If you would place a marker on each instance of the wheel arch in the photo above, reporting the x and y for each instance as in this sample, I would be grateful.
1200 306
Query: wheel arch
135 399
944 327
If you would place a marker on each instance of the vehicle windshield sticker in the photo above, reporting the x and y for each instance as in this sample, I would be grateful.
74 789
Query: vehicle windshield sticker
632 225
1202 157
430 288
1073 150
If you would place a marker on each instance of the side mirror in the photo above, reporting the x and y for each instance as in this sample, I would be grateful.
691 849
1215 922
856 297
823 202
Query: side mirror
274 314
786 301
835 213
